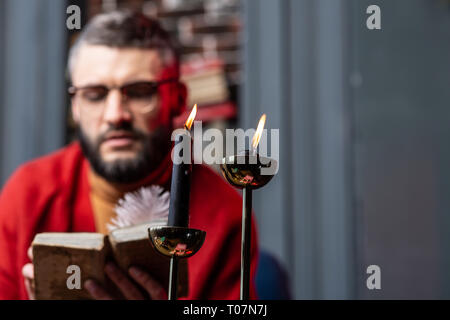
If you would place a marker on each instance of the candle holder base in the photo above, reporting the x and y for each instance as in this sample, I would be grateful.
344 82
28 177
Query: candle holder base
248 172
176 243
245 170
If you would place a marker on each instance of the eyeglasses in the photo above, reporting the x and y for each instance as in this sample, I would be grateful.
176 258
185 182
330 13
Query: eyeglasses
139 95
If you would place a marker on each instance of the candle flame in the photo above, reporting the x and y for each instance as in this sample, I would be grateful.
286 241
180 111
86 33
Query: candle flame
259 130
191 118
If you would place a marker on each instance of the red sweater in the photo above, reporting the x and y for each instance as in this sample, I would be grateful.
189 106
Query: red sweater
52 194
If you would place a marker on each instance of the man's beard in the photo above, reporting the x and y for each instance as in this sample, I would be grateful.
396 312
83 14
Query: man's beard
155 147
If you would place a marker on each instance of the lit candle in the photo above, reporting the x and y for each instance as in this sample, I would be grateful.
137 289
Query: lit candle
258 134
181 176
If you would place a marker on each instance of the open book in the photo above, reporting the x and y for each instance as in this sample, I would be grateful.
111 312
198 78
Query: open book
57 256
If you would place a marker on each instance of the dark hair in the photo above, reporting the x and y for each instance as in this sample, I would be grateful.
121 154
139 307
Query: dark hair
125 29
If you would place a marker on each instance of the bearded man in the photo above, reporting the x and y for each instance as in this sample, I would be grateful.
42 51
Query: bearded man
125 93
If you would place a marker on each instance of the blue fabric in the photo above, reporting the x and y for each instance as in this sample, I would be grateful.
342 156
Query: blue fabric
272 281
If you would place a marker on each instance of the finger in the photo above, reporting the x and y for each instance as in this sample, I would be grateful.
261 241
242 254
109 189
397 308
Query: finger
28 271
30 289
128 289
96 291
154 288
28 274
30 253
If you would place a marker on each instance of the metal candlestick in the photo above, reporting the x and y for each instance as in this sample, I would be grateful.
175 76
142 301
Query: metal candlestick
176 243
244 172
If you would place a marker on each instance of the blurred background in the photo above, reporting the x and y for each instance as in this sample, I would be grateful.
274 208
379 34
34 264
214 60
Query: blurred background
364 118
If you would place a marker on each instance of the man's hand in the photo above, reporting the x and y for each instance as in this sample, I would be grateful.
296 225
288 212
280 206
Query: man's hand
28 274
127 287
121 280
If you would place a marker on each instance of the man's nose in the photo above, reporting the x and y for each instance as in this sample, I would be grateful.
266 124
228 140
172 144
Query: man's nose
115 109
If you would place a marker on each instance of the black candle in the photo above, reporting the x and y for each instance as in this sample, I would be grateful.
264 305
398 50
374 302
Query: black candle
181 176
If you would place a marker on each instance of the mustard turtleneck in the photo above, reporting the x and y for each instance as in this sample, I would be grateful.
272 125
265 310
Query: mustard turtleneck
104 195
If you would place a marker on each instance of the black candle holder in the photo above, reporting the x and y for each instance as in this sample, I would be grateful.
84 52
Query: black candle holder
244 172
176 243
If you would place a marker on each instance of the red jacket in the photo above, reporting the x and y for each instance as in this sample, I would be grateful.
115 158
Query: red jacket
52 194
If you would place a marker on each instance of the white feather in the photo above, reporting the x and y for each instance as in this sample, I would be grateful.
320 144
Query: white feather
146 205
